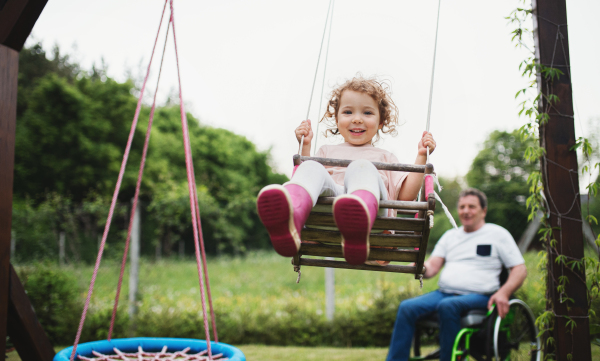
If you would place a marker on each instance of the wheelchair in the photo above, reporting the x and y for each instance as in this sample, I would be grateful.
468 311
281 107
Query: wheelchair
485 336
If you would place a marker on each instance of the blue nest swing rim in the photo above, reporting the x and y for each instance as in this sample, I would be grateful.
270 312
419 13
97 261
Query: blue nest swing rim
151 344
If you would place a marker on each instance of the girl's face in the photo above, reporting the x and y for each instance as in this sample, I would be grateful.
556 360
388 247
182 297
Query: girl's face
358 117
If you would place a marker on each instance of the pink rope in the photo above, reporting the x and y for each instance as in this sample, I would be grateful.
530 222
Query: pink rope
204 263
191 186
114 198
137 191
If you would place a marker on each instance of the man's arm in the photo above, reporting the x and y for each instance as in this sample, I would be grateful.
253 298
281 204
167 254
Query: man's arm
515 280
433 266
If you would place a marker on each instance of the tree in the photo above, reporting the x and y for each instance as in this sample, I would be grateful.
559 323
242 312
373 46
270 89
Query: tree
501 171
70 138
229 173
72 129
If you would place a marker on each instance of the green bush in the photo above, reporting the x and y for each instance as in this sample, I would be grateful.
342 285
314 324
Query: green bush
57 301
252 305
286 320
55 297
97 323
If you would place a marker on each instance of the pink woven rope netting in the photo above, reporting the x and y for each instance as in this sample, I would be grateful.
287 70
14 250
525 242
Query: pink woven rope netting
163 355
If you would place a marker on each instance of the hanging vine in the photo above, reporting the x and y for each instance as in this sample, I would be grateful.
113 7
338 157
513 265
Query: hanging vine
536 116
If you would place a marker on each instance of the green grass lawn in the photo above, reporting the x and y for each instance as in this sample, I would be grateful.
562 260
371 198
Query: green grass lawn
262 276
264 279
276 353
259 274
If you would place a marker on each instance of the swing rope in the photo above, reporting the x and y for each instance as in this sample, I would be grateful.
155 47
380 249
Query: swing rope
329 9
194 207
437 26
137 191
115 194
437 196
316 134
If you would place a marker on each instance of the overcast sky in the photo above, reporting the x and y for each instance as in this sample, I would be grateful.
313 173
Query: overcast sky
248 66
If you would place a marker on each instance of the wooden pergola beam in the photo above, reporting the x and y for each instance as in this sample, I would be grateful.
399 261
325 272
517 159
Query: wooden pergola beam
17 18
17 317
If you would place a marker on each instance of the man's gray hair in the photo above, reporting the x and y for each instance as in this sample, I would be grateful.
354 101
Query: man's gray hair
477 193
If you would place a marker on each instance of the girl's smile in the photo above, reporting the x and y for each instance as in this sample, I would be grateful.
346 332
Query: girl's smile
358 118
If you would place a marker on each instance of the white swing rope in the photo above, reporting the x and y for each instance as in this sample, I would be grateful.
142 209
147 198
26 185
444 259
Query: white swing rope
316 134
327 21
435 178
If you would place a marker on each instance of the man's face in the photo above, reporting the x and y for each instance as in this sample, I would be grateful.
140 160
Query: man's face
471 215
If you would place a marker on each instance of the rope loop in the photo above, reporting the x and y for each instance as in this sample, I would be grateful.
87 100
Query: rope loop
430 214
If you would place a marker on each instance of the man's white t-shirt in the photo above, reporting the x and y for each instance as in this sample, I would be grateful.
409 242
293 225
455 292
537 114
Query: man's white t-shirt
473 260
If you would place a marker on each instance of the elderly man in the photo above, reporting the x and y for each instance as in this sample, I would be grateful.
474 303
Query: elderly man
473 256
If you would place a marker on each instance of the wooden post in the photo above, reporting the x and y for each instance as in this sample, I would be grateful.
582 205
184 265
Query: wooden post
561 183
134 267
17 18
9 65
158 251
61 248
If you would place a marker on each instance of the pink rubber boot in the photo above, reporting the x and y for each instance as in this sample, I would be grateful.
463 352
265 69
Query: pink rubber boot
354 216
284 210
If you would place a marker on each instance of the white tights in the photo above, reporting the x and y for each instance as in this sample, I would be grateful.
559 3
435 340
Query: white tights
360 175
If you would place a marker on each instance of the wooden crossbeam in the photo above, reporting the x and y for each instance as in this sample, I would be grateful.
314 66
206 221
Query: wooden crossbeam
412 206
17 18
379 165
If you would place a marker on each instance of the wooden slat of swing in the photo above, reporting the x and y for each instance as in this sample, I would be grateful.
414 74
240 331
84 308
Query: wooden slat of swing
379 165
362 267
384 240
393 255
381 223
409 232
410 206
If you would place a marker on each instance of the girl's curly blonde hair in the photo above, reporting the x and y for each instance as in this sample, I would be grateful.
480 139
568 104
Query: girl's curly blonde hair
388 112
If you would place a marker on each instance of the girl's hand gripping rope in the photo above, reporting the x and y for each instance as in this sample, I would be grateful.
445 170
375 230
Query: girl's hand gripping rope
426 141
304 135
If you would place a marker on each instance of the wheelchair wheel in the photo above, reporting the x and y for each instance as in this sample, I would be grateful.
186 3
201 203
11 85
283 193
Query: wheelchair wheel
515 336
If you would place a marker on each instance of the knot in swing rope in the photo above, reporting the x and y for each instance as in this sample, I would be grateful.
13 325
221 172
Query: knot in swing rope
297 269
439 199
430 214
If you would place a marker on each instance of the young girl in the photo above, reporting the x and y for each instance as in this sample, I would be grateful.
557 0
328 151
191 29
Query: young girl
358 110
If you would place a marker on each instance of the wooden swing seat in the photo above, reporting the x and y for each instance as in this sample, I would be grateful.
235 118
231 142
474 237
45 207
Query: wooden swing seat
407 243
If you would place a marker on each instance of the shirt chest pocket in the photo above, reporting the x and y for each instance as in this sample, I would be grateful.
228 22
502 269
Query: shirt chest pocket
484 250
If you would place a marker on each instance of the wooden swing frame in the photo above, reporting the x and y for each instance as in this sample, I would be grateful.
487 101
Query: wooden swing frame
409 240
